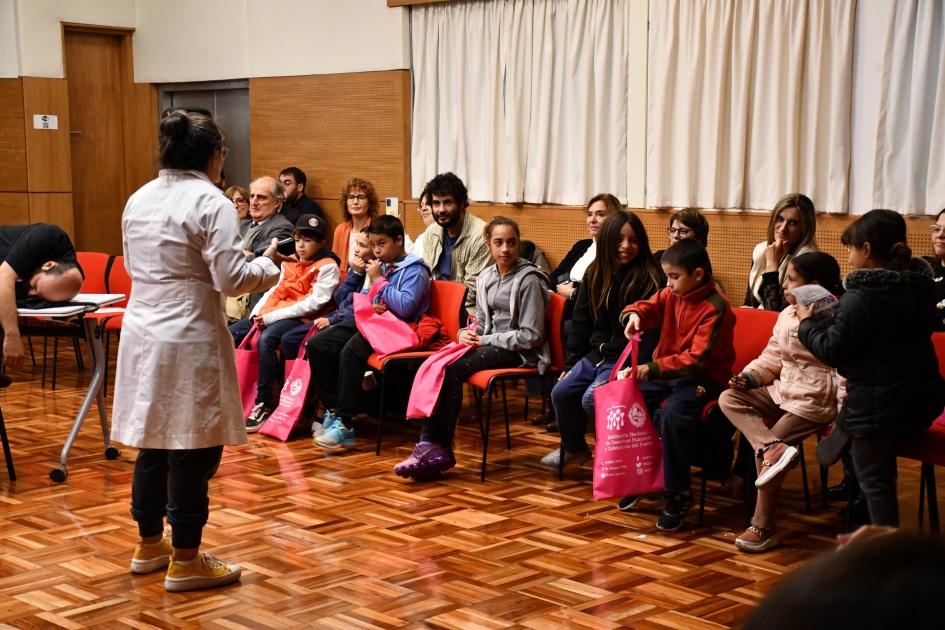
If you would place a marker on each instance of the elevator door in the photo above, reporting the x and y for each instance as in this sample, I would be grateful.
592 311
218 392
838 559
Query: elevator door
229 104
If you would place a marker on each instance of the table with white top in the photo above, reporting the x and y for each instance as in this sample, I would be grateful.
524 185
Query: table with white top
93 332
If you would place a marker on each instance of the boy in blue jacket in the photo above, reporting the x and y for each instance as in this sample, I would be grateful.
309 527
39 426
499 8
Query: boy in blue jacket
339 354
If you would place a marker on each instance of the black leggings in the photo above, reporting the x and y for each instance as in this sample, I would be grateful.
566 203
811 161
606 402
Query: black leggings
173 483
440 427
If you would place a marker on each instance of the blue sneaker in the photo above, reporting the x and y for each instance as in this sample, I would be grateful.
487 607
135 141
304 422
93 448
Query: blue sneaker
336 435
327 420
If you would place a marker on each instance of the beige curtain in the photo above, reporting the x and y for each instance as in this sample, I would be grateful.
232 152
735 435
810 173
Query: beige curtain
526 100
749 100
908 171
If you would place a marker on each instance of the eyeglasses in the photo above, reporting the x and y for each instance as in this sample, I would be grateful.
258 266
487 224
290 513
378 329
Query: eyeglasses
357 197
936 229
683 231
224 151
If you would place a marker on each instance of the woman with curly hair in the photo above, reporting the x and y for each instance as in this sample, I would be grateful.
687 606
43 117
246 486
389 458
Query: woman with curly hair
359 207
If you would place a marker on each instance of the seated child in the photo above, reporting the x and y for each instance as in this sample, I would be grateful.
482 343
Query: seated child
304 288
339 354
356 281
511 297
691 364
788 384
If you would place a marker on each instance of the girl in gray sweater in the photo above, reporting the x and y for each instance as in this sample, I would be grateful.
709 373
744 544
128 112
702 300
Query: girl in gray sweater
511 297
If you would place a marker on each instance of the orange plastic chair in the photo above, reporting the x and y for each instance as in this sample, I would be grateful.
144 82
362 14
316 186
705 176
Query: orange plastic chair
485 381
929 449
753 328
446 304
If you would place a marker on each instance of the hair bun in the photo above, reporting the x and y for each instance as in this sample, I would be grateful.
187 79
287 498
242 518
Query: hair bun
900 252
176 125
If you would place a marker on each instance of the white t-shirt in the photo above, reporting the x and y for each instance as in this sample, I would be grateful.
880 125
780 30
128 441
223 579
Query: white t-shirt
580 267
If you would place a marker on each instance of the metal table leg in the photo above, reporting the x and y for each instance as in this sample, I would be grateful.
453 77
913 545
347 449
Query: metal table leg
95 392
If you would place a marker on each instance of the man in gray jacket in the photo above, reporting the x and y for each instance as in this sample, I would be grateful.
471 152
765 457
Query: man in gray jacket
265 199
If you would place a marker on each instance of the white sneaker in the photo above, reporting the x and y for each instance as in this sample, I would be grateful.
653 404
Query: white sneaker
552 459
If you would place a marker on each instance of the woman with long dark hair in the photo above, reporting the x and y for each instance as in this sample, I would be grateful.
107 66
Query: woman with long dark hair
623 272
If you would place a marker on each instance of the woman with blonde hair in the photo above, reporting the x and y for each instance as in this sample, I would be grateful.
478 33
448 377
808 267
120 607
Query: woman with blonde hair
791 232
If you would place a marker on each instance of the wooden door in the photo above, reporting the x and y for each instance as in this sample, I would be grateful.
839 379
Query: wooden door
94 74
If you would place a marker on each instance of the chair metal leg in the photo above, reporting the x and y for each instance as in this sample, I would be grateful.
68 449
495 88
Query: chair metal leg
55 360
922 472
380 413
29 342
505 410
933 499
7 454
705 472
79 361
485 434
45 346
804 478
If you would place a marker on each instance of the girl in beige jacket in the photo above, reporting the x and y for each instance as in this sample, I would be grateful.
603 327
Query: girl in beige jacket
782 397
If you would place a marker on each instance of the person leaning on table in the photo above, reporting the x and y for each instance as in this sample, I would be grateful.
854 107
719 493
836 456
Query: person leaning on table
35 260
176 395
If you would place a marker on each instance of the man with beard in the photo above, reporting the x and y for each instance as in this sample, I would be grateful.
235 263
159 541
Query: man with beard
296 203
454 246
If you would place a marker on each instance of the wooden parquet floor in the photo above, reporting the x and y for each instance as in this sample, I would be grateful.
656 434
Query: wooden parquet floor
342 542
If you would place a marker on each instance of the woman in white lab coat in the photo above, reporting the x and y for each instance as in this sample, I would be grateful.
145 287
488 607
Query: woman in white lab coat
176 394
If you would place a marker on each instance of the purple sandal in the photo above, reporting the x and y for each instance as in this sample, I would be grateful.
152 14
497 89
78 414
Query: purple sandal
426 461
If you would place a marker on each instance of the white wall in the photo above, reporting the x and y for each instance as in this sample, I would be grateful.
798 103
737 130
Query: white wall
262 38
40 32
9 51
203 40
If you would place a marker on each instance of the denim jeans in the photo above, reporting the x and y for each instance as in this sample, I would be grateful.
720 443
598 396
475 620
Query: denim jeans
573 400
266 345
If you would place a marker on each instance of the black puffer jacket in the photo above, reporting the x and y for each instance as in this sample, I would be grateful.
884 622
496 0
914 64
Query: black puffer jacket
880 340
601 339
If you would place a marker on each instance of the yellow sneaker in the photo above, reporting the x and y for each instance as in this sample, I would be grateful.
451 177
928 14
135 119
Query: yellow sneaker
151 557
204 571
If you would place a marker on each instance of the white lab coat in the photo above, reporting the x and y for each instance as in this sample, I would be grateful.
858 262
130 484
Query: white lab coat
175 384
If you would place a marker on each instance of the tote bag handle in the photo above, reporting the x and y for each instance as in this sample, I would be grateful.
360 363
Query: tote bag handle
633 349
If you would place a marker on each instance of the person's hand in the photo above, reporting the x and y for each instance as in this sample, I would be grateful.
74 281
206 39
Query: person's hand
739 382
804 311
623 374
272 252
379 307
13 352
633 325
373 269
864 532
643 371
468 338
260 324
358 265
246 252
773 254
321 323
564 375
565 289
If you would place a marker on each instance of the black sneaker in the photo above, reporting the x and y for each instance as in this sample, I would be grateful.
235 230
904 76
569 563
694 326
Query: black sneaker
626 504
671 518
257 417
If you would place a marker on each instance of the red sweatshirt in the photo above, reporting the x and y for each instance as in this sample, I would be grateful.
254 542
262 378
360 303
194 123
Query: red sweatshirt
696 333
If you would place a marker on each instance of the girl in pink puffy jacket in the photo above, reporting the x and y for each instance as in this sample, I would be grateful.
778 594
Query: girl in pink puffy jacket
786 385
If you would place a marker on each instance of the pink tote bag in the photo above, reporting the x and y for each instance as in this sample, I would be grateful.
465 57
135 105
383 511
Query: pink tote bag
425 392
385 333
628 459
247 369
286 416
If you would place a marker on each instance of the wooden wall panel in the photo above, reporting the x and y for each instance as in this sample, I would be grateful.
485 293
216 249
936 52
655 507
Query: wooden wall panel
55 208
49 168
14 208
139 124
732 235
334 127
12 137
